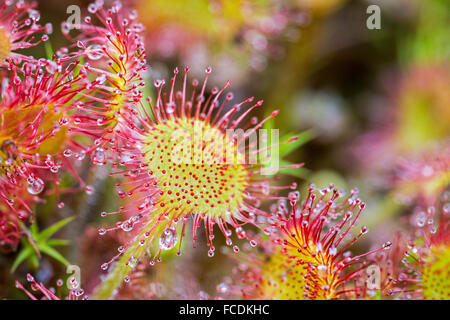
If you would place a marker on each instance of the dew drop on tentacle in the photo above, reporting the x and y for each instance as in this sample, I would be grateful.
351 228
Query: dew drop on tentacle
127 226
63 121
94 52
92 8
35 186
132 262
240 232
80 155
67 153
170 108
223 287
446 209
168 239
101 79
89 190
98 157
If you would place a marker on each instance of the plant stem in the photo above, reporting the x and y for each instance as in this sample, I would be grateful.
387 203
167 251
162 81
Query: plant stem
109 287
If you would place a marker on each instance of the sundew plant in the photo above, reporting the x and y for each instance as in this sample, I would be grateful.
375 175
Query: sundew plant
224 150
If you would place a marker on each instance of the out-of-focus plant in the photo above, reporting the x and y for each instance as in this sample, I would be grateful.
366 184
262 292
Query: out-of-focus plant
235 37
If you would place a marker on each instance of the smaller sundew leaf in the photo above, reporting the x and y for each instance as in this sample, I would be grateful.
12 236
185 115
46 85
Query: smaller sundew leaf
54 254
25 253
47 233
